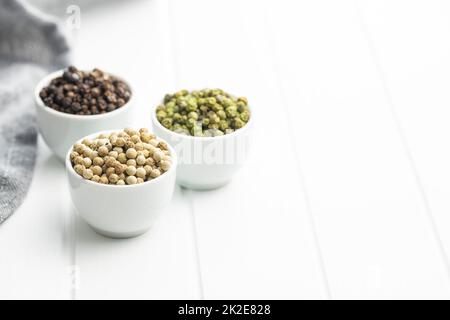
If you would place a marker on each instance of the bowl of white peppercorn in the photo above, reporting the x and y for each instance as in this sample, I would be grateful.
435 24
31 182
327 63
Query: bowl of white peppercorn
210 131
120 181
71 103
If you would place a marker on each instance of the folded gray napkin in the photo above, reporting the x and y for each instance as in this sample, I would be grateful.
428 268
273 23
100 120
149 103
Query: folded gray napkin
31 44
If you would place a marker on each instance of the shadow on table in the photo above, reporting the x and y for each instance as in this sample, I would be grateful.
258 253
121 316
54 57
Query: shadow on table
86 236
52 163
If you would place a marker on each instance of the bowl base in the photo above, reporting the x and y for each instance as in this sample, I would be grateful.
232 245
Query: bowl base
202 187
119 235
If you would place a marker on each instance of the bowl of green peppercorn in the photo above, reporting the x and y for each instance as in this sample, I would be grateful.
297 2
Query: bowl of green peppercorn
210 132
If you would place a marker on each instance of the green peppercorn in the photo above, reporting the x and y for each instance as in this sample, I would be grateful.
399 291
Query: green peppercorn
231 111
243 99
161 115
238 123
193 115
190 123
197 131
177 117
211 101
192 104
223 125
167 122
167 97
207 112
222 115
245 116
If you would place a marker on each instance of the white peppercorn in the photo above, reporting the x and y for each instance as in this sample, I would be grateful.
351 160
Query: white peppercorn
140 172
155 173
73 155
93 155
97 170
120 142
100 142
88 174
131 180
88 153
135 138
113 138
131 162
98 161
113 154
78 160
154 142
103 151
140 160
165 165
162 145
150 161
158 155
110 171
113 178
120 168
104 180
78 147
79 169
121 158
131 153
148 169
145 137
139 146
129 144
110 162
131 170
87 162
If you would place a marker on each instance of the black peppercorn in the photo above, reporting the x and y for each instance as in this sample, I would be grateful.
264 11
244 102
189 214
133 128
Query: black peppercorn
85 92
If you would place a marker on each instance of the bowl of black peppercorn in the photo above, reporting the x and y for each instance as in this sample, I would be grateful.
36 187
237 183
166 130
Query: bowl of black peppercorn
73 103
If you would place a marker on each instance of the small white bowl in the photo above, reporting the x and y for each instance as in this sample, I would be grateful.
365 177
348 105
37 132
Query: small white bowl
206 163
60 130
120 211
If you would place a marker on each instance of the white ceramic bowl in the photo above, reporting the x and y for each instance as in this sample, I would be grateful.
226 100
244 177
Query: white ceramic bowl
207 162
121 211
60 130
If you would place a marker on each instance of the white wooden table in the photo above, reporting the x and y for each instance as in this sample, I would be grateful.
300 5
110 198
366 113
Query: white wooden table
345 194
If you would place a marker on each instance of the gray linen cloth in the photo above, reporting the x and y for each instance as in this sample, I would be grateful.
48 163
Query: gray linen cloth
31 45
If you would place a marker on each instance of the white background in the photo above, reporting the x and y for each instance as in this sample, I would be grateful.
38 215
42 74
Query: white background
345 194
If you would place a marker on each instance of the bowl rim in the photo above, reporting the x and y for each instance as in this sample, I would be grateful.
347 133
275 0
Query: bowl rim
70 170
46 80
183 136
